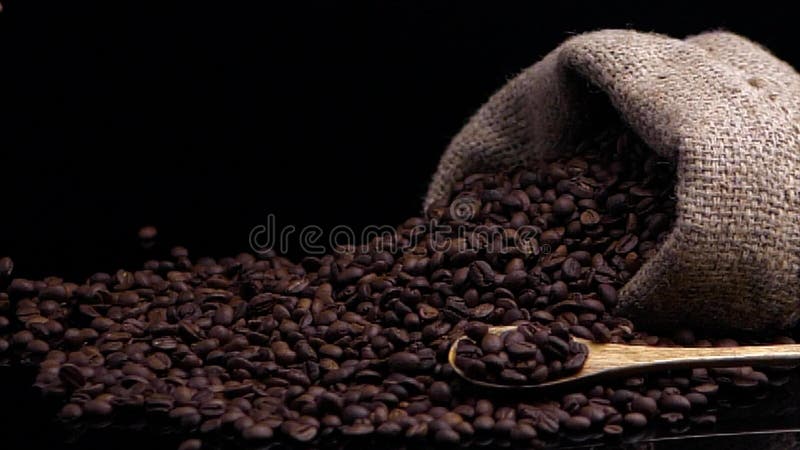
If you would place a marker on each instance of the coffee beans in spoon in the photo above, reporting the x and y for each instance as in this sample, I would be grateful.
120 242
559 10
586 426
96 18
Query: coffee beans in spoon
526 355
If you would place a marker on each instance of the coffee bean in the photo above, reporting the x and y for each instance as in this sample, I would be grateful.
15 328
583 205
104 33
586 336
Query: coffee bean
38 346
440 392
481 274
147 233
697 400
70 411
257 432
590 218
191 444
563 206
675 402
97 407
299 431
447 436
404 362
644 405
484 424
357 429
570 269
627 243
389 429
159 362
6 266
577 424
523 432
491 343
705 420
601 332
71 376
522 350
706 389
635 419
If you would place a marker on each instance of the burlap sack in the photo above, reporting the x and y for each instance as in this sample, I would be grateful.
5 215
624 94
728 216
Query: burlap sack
726 109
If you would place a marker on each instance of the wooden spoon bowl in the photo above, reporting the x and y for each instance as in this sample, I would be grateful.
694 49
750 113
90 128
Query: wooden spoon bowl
618 360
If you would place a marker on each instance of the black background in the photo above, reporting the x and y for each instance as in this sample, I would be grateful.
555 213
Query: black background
203 117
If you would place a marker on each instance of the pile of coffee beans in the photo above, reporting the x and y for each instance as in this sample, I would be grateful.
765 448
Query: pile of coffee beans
529 354
354 344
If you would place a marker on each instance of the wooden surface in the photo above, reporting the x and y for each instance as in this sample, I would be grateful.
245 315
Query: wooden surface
619 360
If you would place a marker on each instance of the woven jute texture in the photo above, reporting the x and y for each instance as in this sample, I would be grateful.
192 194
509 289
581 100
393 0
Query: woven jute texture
720 105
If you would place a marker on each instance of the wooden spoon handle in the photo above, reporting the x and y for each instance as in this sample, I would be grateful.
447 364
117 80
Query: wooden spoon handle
616 357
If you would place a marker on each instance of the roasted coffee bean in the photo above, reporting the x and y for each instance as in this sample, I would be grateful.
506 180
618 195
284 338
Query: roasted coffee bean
577 424
299 431
481 274
404 362
563 206
440 392
675 402
635 419
644 405
491 343
71 411
570 269
191 444
71 376
147 233
97 407
613 430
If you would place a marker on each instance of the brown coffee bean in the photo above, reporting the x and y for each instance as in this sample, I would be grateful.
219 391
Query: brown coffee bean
570 269
523 432
601 332
358 429
404 362
706 389
258 432
627 243
147 233
191 444
301 432
675 402
6 266
440 392
704 420
590 218
644 405
491 343
38 346
635 420
70 411
563 206
97 407
522 350
481 274
71 376
159 362
577 424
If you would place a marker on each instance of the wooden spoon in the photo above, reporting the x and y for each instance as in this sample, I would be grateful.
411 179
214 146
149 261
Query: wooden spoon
605 360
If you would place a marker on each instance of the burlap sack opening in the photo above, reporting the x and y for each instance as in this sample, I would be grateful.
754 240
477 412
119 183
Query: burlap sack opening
725 109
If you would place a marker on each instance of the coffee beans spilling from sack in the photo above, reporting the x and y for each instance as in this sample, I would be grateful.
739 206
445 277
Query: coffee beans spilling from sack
353 345
724 110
